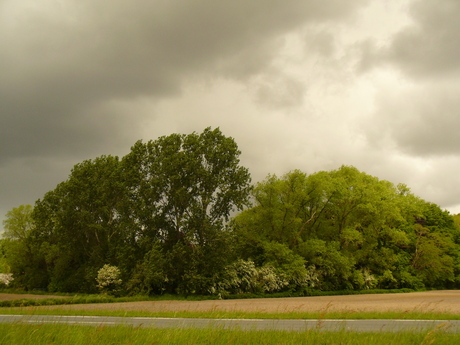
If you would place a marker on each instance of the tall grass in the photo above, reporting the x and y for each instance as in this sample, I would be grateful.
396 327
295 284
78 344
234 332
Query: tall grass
13 334
406 315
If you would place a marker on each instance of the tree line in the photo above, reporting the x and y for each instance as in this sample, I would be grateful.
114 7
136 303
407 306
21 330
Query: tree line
180 215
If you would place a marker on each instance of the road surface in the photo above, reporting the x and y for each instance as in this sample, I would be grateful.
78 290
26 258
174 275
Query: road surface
242 324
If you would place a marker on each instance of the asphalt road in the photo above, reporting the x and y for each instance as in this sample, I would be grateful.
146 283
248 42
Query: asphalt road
242 324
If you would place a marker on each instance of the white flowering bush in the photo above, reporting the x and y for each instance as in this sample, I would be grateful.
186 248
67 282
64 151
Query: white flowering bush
6 278
369 280
240 276
363 279
269 280
243 276
108 279
312 277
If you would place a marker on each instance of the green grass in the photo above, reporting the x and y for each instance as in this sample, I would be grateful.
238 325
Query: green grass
13 334
409 315
31 306
70 334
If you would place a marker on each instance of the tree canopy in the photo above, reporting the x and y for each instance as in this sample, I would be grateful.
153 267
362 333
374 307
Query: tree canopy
165 219
349 225
162 207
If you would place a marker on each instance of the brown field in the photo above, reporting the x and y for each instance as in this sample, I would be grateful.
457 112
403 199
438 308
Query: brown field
432 301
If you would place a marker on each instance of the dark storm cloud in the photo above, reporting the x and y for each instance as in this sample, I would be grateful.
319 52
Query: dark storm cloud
65 65
60 60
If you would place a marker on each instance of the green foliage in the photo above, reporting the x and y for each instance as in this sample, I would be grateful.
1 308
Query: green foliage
183 187
353 230
18 223
158 214
431 259
77 335
21 255
149 276
79 224
161 215
181 191
289 266
333 268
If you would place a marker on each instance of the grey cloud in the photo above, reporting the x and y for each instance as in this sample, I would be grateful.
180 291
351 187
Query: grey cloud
420 122
320 41
420 117
280 92
427 48
64 64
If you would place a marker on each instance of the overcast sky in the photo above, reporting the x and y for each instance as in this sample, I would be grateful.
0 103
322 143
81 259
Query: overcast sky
309 85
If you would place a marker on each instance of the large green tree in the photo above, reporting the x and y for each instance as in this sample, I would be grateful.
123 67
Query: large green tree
159 214
181 191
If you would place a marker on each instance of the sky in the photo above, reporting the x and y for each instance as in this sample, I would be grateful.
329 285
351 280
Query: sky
310 85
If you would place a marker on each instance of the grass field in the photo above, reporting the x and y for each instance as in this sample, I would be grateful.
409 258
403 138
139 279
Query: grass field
85 335
438 305
66 334
414 315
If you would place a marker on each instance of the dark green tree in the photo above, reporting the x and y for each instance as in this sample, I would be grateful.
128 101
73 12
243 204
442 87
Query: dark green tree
21 254
181 192
79 224
435 246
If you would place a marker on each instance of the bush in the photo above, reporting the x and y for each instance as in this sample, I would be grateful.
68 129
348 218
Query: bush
108 279
244 277
5 279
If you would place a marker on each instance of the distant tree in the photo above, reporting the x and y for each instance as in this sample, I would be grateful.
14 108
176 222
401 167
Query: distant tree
284 208
161 217
21 254
18 223
457 219
149 275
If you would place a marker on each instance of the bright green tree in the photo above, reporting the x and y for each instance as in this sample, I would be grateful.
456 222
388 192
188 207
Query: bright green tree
353 229
18 222
284 208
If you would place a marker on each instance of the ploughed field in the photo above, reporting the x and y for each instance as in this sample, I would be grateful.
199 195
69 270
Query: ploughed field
447 301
